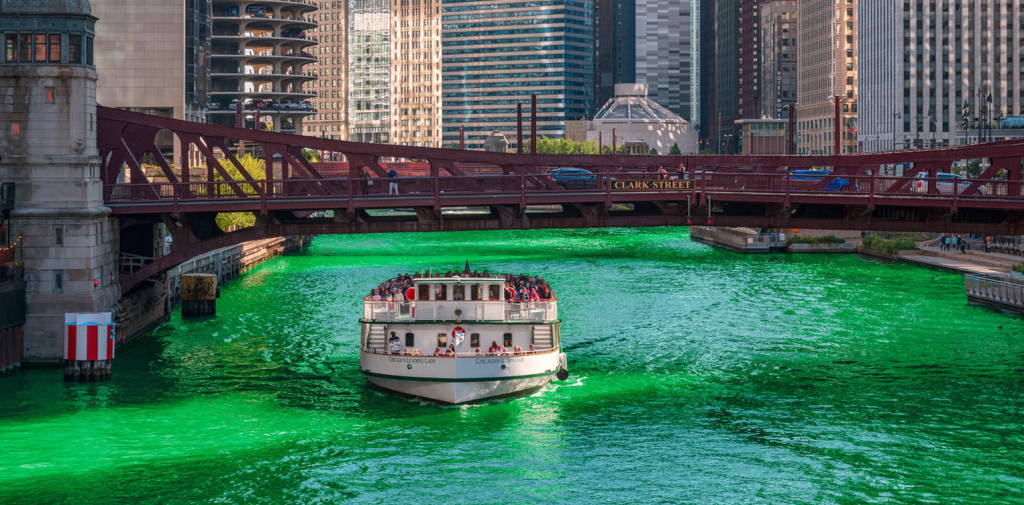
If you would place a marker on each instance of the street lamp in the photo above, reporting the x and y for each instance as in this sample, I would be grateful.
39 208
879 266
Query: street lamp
837 148
728 142
895 116
791 145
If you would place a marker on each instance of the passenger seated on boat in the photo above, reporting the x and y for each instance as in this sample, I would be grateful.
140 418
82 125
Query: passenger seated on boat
394 342
437 352
531 349
504 352
493 348
478 351
406 352
416 352
451 351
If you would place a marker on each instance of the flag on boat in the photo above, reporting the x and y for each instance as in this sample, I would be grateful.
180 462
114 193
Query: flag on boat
458 335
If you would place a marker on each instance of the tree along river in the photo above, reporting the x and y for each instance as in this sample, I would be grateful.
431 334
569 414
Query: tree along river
697 376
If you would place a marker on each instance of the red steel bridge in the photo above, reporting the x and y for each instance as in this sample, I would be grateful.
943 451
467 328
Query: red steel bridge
475 190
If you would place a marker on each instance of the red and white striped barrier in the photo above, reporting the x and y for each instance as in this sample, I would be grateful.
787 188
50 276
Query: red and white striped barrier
88 346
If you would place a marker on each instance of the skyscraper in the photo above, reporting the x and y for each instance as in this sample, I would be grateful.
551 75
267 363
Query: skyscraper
666 53
779 64
496 55
416 73
924 65
369 71
331 71
614 46
827 58
259 58
725 88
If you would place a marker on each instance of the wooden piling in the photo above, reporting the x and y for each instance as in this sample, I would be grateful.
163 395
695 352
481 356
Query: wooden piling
198 294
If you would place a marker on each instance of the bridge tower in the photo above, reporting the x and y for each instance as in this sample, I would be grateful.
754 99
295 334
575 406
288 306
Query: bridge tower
48 150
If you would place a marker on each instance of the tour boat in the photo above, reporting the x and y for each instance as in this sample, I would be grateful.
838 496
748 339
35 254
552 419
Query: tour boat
468 313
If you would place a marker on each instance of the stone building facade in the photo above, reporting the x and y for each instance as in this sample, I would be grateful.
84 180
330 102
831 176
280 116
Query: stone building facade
779 63
416 73
827 66
927 70
331 70
48 150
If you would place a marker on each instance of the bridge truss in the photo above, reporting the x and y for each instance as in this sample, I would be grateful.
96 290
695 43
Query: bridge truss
511 191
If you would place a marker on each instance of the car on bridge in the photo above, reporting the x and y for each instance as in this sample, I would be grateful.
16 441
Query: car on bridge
944 184
807 179
573 178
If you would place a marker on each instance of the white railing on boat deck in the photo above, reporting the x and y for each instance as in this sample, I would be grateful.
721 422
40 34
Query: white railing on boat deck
445 310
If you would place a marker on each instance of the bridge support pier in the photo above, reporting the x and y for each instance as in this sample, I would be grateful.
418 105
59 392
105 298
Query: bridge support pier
69 240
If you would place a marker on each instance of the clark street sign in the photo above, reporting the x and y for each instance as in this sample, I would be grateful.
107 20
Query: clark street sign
652 185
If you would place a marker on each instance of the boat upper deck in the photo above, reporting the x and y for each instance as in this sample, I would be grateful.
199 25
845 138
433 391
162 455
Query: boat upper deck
469 296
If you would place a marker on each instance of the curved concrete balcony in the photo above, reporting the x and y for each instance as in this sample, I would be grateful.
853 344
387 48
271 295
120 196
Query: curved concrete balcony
306 58
273 78
271 95
297 6
245 40
271 21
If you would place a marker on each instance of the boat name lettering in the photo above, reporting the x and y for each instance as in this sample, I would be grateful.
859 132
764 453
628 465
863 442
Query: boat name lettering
499 360
425 361
653 185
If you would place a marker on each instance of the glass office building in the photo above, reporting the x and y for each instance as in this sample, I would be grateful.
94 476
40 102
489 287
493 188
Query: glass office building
495 54
369 71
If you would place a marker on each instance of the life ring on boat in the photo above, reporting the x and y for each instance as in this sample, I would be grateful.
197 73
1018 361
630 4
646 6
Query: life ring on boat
458 333
510 294
410 293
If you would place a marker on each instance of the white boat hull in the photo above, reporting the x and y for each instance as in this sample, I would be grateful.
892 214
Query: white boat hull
460 380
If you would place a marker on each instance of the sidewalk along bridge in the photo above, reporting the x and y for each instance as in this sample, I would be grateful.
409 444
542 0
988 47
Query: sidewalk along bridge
475 190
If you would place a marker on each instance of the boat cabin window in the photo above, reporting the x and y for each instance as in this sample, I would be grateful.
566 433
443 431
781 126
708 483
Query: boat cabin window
441 292
442 340
424 292
410 340
495 292
459 292
474 340
474 292
508 340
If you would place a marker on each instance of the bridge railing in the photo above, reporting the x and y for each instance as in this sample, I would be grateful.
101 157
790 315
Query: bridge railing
541 184
1001 290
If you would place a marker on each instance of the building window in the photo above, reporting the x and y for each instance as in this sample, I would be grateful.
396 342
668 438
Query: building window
11 48
58 281
74 49
58 236
54 48
50 93
16 129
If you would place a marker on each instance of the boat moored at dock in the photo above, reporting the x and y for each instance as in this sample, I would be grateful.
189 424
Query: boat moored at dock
461 338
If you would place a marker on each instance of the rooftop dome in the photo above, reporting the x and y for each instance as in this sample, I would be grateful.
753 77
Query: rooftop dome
46 7
630 104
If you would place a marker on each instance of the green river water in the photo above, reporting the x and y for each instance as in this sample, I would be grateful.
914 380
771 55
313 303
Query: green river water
697 376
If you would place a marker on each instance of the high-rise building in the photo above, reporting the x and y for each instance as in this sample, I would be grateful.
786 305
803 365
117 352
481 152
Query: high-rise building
156 68
667 53
369 71
416 73
827 62
259 58
708 123
655 42
614 46
750 60
726 82
496 55
779 64
331 71
924 65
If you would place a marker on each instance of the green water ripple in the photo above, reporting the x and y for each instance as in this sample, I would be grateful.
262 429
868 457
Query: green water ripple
698 376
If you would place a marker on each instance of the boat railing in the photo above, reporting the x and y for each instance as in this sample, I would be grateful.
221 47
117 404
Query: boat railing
472 354
466 310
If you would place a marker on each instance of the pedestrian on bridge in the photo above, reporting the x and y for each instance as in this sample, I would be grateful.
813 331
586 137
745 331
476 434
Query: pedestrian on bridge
393 182
364 180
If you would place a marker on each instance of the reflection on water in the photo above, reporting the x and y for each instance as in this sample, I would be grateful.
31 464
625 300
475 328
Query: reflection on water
698 376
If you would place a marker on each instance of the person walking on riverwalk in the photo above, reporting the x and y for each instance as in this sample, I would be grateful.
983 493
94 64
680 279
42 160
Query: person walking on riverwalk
392 182
963 245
